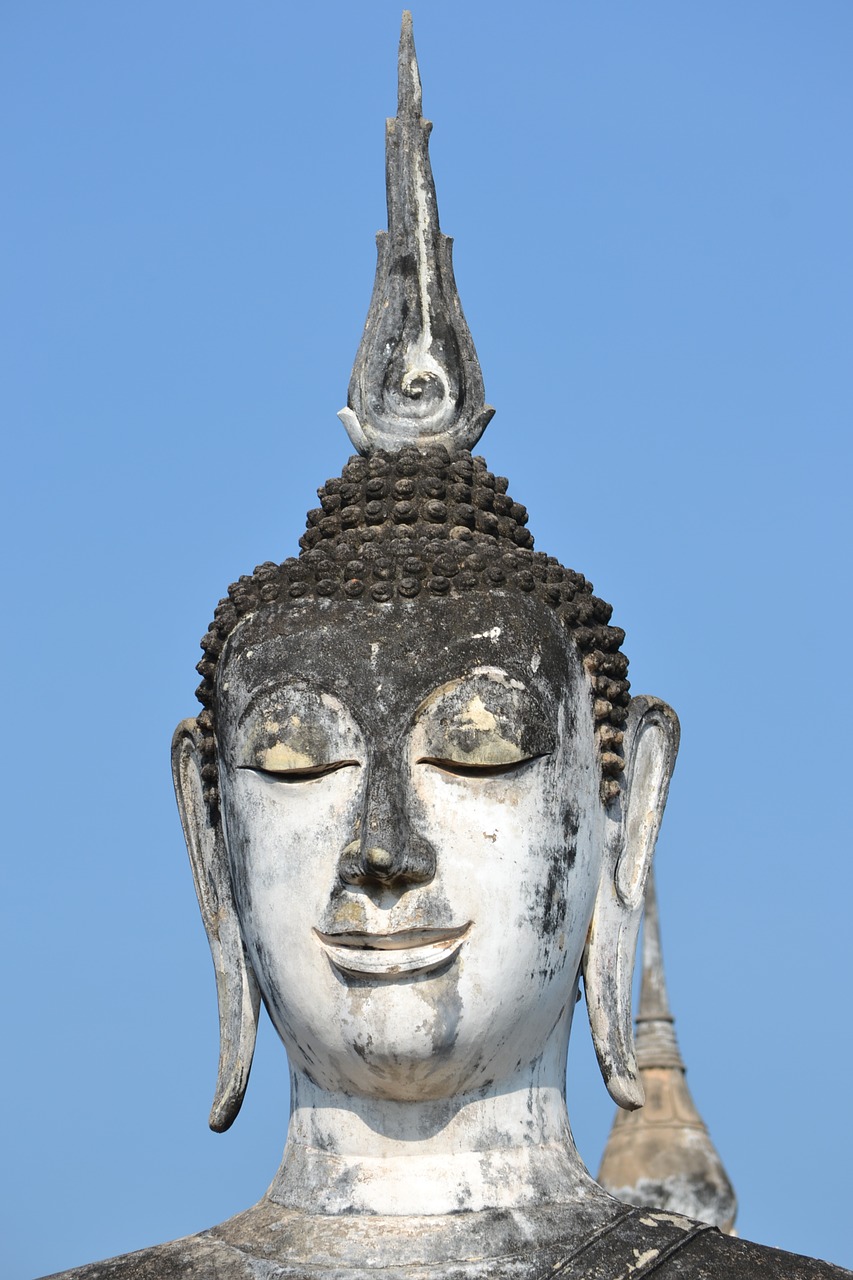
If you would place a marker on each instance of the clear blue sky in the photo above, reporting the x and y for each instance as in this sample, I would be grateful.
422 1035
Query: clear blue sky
652 206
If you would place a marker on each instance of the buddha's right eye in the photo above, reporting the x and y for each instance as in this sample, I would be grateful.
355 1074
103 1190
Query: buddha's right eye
307 774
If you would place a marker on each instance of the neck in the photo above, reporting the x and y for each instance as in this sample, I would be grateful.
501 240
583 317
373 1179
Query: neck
505 1146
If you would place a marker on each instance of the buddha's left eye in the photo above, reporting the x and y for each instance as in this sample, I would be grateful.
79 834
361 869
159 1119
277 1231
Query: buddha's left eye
307 774
465 770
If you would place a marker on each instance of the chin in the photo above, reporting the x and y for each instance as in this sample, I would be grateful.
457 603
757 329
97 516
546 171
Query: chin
427 1037
399 1039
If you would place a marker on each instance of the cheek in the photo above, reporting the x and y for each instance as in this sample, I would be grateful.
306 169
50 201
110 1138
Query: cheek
512 850
284 845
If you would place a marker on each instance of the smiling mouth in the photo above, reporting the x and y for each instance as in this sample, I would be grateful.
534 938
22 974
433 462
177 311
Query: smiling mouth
389 955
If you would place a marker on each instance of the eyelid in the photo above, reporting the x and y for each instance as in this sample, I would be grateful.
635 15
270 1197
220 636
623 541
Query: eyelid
462 770
308 774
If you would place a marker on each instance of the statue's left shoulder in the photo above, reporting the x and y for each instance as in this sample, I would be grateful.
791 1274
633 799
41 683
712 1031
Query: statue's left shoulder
709 1255
666 1246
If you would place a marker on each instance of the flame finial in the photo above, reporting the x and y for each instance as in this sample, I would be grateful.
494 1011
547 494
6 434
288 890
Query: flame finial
416 378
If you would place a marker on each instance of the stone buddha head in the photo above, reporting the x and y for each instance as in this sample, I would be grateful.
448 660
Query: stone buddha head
419 801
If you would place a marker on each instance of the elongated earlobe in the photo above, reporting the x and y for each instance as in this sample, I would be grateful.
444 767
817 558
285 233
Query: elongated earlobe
650 747
236 987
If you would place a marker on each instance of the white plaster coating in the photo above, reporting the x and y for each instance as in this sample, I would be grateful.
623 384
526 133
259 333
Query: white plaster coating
427 1019
289 836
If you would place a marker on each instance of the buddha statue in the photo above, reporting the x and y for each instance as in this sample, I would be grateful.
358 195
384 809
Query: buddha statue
421 806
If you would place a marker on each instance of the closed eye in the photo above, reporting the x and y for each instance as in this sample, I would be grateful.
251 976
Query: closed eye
308 774
461 770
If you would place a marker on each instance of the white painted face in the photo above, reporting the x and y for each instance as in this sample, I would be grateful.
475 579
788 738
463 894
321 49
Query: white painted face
410 802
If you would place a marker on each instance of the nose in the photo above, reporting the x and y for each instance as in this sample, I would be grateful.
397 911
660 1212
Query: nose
385 849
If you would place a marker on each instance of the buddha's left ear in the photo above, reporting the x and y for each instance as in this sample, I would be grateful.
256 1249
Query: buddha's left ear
633 821
236 987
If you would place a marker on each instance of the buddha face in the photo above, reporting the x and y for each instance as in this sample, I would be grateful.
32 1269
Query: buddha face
413 830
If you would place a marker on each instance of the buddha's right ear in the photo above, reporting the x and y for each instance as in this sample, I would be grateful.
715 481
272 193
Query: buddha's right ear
236 986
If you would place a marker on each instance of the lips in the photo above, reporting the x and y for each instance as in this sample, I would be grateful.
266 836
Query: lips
390 955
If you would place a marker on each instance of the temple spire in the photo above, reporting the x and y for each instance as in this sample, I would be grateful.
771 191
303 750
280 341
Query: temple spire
662 1156
655 1033
416 379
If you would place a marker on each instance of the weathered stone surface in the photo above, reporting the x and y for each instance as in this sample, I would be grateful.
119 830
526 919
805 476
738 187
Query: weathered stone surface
629 1245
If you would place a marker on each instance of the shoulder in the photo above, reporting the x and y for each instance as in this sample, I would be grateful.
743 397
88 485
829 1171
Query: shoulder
709 1255
191 1258
635 1243
639 1242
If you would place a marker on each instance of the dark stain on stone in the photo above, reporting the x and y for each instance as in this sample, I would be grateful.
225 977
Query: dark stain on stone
553 893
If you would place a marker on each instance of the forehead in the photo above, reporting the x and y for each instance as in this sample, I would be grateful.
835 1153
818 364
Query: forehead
399 653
